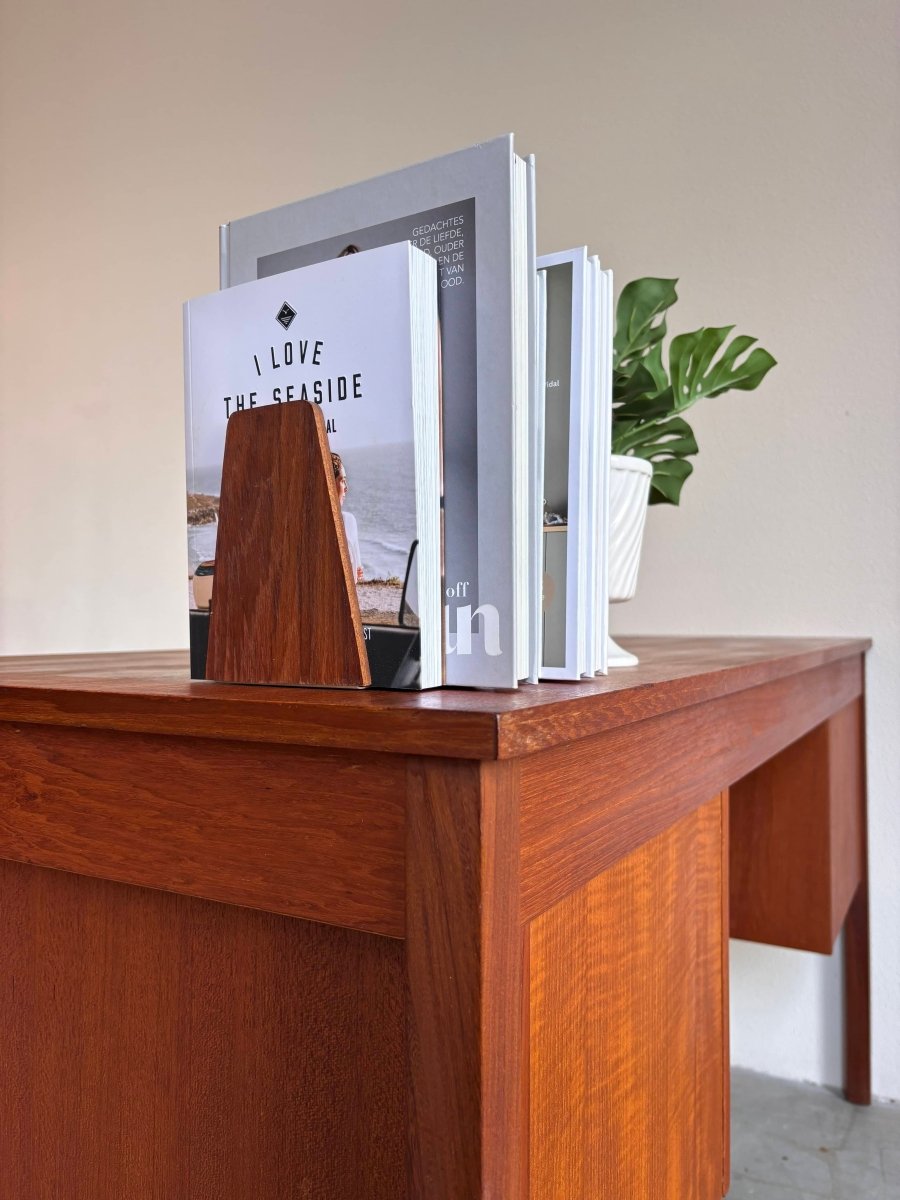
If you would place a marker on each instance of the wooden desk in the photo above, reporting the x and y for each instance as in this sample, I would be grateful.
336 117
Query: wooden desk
288 944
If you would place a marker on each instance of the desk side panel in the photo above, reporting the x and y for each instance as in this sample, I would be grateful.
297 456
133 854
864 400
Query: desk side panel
628 1025
797 847
159 1047
588 804
309 833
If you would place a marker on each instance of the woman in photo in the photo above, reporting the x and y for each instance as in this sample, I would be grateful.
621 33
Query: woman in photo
350 526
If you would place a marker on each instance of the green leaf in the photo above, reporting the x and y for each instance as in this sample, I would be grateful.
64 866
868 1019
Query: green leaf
653 364
654 440
696 373
630 385
630 435
668 480
690 356
721 371
640 317
666 446
745 376
644 408
671 438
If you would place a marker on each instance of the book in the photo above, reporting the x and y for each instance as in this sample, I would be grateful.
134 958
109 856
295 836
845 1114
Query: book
472 211
356 336
604 451
566 492
576 344
593 550
536 497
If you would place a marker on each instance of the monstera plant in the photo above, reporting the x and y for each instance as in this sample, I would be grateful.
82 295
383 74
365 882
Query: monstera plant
650 395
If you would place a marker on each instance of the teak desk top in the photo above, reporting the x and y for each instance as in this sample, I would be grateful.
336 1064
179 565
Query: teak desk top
151 693
453 945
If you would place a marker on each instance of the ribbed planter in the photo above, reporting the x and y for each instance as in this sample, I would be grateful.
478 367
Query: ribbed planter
629 489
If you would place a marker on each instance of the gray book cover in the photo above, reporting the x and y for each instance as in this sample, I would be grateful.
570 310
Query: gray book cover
460 209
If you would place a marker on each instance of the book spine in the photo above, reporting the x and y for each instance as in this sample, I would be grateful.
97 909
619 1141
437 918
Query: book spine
224 254
608 297
537 516
535 500
197 623
188 433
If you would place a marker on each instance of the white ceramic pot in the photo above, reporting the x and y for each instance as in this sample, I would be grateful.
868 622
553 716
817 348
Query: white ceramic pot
629 489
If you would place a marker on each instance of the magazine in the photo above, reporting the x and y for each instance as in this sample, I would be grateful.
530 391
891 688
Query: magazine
470 212
358 337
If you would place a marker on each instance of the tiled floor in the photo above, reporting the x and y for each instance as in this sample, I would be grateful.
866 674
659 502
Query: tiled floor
791 1141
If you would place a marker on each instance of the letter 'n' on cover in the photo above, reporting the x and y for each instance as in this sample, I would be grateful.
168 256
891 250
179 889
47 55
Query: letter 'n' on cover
284 607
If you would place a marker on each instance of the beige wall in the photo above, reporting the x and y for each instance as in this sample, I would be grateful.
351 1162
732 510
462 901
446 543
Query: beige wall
750 149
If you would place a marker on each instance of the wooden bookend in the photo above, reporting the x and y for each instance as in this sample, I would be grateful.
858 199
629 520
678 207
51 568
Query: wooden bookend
284 606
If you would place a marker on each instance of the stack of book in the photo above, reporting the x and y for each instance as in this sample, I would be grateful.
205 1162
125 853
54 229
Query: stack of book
464 390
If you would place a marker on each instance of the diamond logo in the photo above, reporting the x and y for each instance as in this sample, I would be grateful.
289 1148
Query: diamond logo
285 315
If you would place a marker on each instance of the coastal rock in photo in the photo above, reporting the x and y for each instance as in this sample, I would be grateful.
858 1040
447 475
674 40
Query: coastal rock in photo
202 509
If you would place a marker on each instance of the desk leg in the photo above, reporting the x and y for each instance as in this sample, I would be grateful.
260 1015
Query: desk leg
857 1015
857 1052
799 864
465 951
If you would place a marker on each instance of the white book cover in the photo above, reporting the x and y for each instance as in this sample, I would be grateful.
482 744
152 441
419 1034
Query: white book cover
533 500
592 406
566 520
536 501
469 210
607 332
358 337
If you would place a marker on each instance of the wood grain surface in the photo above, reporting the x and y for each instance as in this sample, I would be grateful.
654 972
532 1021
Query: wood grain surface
152 693
284 605
467 1045
308 833
628 1040
155 1047
857 967
726 994
857 1000
797 838
389 813
587 804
